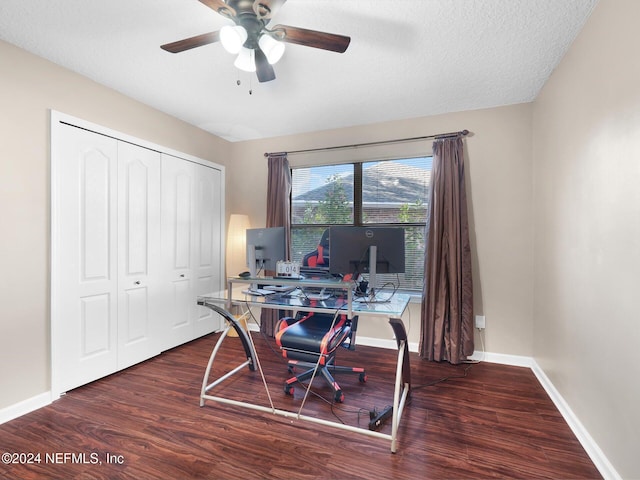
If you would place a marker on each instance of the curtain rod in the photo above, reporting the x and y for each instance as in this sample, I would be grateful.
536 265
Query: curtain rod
382 142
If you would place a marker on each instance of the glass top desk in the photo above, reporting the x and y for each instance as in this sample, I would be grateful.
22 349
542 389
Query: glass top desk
296 297
340 297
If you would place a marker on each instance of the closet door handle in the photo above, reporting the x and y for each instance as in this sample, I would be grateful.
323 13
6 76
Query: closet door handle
182 275
137 282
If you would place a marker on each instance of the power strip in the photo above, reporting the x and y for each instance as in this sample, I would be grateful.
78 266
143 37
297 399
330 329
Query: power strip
378 419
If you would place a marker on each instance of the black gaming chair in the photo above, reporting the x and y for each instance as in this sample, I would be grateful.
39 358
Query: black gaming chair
305 340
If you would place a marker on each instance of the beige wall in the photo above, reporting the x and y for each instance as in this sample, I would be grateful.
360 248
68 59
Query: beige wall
29 87
498 167
587 230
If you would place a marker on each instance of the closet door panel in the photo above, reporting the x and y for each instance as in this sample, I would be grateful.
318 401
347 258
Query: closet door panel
182 206
95 221
84 285
178 214
208 251
139 310
95 325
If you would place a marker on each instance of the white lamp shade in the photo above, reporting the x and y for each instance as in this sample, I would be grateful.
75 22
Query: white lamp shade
272 48
233 38
237 244
245 60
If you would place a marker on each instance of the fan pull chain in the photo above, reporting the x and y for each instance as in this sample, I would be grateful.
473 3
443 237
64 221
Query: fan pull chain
239 82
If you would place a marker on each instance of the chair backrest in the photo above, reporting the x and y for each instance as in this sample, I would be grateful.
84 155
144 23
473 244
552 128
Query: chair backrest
320 256
312 335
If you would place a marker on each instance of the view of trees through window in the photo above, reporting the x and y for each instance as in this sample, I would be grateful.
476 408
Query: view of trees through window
380 193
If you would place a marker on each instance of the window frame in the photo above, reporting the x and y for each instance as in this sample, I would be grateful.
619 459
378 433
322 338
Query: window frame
358 205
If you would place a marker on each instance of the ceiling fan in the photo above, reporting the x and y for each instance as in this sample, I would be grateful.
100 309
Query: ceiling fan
257 46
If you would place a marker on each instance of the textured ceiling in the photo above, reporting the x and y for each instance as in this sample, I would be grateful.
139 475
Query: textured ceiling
407 58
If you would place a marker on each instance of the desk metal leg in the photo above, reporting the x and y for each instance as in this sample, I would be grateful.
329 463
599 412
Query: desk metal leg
246 343
403 379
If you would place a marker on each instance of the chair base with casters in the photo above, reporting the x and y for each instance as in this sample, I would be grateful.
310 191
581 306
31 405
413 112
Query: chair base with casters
314 337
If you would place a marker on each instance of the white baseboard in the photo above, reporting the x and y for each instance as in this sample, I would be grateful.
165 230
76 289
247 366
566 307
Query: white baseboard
588 443
26 406
502 359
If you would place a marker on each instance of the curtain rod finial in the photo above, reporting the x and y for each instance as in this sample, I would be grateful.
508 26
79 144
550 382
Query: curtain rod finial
275 154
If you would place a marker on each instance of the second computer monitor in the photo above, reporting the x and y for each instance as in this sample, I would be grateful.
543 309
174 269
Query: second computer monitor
351 246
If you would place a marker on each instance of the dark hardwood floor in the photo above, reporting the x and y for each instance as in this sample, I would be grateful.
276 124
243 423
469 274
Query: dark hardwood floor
484 421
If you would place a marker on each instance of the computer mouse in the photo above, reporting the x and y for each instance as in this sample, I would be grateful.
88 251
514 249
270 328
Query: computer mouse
244 274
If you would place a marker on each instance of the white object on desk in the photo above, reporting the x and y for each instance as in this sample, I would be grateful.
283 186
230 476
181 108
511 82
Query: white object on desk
287 269
316 296
279 288
261 292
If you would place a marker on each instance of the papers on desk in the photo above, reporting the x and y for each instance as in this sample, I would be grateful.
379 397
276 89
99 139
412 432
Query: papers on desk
316 296
280 288
310 294
259 292
269 290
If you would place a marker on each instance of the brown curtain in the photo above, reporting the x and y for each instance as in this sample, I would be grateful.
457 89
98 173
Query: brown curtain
446 331
278 215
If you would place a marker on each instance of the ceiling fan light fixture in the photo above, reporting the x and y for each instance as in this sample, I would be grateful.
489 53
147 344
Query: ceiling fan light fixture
272 48
245 60
233 38
255 46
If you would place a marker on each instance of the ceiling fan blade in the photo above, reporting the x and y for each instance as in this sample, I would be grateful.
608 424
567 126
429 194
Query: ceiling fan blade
192 42
264 70
267 8
220 6
312 38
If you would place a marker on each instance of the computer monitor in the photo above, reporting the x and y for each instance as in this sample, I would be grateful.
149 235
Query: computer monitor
369 250
265 247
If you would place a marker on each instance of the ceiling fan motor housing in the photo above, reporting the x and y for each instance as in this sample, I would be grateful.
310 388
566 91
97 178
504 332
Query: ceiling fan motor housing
253 26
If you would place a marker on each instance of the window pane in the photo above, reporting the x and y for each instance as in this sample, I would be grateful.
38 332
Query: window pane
396 191
322 195
304 240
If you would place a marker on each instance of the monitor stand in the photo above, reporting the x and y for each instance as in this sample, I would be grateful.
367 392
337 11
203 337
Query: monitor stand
373 258
253 269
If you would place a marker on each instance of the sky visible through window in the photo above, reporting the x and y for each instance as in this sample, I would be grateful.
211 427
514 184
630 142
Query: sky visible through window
313 177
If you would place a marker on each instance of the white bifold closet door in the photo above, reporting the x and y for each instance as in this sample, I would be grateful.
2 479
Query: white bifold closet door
140 322
178 230
136 236
85 292
208 246
191 222
109 256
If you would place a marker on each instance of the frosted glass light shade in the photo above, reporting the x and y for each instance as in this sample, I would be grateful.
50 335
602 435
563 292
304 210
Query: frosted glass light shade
272 48
233 38
245 60
237 244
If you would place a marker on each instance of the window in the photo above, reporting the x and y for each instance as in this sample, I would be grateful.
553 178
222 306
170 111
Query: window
380 193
